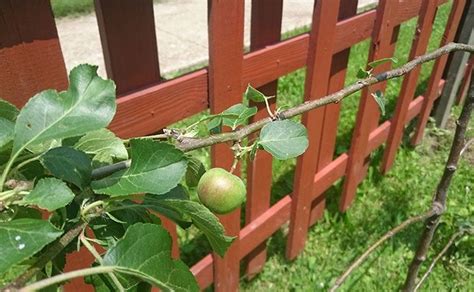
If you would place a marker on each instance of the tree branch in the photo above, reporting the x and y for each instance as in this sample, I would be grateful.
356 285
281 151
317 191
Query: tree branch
460 233
51 252
381 240
442 190
187 144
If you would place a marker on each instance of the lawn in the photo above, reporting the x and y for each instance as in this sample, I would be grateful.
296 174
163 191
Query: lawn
382 201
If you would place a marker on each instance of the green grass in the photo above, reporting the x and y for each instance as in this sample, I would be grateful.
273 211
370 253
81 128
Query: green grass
62 8
382 201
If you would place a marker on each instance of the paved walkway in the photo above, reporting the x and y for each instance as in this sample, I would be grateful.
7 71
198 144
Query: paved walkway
181 30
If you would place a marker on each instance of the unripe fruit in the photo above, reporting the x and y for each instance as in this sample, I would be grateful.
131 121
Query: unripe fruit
221 191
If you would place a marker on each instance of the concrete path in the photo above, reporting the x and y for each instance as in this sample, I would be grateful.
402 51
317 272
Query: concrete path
181 30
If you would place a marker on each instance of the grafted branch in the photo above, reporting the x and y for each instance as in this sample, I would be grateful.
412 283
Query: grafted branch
187 144
442 190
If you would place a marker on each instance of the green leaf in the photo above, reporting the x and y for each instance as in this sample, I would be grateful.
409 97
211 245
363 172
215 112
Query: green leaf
69 164
156 168
88 105
145 251
8 111
379 98
201 217
239 115
23 238
253 151
7 131
254 95
50 194
376 63
284 139
103 144
362 74
178 193
214 123
194 172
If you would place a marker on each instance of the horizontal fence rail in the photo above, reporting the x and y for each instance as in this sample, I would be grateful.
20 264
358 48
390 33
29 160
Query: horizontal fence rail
31 60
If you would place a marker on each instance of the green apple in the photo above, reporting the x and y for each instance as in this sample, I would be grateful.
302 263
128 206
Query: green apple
221 191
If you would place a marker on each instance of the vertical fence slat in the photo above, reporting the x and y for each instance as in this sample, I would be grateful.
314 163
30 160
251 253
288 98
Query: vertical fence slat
436 74
30 54
127 33
407 92
226 25
331 112
265 30
382 46
316 85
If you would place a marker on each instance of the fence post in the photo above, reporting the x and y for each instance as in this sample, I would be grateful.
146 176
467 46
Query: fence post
331 111
382 46
226 31
265 30
437 72
316 85
407 92
127 33
30 53
455 70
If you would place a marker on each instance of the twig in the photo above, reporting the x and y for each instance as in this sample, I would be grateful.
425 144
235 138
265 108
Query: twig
381 240
466 146
51 252
187 143
98 258
440 255
442 190
67 276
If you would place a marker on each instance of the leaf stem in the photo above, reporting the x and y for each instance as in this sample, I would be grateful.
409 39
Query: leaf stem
269 110
91 206
20 165
97 256
67 276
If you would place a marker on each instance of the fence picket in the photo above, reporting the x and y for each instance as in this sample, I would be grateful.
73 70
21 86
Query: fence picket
265 30
30 54
316 85
226 34
440 63
382 46
419 46
127 33
331 112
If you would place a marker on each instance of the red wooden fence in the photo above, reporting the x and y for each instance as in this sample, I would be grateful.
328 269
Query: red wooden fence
31 60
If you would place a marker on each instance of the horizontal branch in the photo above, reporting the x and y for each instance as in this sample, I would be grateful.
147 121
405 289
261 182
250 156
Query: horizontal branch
187 143
381 240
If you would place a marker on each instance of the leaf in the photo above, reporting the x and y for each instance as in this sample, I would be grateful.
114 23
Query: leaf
22 238
376 63
88 105
284 139
69 164
380 100
7 131
204 219
253 151
8 111
145 251
254 95
194 171
362 74
103 144
214 123
50 194
240 113
156 168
